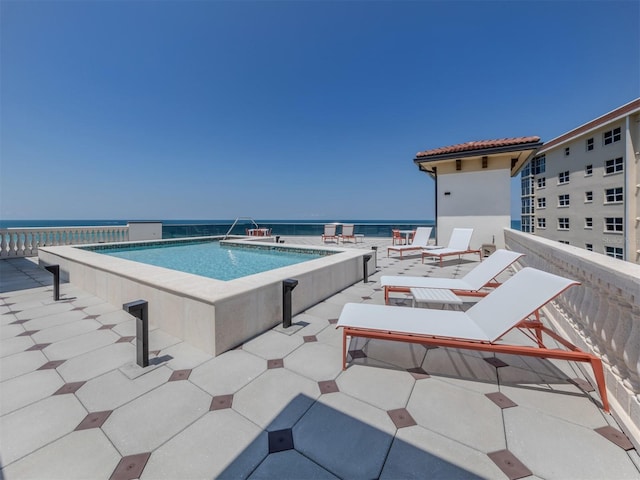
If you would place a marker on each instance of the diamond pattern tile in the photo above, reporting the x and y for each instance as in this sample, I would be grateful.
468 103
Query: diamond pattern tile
130 467
357 354
310 338
125 339
615 436
18 322
94 420
107 327
275 363
496 362
72 387
179 375
401 418
52 364
328 386
510 465
27 333
37 346
280 440
501 400
91 317
418 373
333 321
582 384
220 402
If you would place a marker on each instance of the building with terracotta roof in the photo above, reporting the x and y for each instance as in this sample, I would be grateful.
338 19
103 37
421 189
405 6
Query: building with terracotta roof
583 187
473 185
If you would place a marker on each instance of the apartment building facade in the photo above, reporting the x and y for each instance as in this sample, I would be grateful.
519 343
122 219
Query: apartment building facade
583 187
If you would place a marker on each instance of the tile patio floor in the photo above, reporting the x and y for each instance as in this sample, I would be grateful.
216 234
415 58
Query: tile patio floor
280 406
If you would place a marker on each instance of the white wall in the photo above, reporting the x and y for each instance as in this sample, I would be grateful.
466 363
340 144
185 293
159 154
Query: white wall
479 200
145 231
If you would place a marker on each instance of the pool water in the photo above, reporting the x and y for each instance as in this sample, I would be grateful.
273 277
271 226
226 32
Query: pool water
210 259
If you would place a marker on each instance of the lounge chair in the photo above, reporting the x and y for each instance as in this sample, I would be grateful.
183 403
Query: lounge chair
420 240
481 327
347 232
470 285
329 232
458 245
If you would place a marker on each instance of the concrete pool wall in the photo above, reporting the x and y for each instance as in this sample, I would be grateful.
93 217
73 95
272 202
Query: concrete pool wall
212 315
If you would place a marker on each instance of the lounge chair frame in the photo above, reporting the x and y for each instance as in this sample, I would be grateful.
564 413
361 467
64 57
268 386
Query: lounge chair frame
515 305
413 246
327 233
455 242
532 328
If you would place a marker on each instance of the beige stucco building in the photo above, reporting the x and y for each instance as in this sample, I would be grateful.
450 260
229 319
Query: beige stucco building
473 186
583 187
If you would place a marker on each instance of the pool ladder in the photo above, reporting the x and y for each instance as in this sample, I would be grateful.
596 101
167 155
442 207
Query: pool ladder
236 221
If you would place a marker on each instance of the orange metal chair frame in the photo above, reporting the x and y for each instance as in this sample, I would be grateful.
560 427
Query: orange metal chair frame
532 328
440 255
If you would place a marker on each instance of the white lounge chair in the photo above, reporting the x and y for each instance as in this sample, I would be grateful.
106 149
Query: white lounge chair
347 232
329 232
470 285
420 240
481 327
458 245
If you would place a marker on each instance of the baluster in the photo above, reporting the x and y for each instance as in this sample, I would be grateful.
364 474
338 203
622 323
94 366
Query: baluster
631 351
612 318
621 332
599 320
12 244
3 244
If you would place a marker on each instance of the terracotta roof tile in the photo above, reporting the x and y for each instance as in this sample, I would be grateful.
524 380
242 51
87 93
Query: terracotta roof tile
478 145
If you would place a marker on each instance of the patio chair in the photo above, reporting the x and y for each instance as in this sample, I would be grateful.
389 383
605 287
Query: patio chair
420 240
458 245
482 327
329 233
347 232
482 276
396 237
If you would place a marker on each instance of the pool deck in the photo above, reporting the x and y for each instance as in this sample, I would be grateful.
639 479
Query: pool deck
73 403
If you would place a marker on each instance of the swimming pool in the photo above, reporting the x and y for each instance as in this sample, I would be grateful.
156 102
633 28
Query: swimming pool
210 258
210 314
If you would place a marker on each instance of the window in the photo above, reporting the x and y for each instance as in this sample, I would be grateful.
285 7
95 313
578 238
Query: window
588 170
588 222
526 206
613 195
615 165
542 222
563 177
589 246
526 185
613 224
567 151
542 182
589 144
542 202
615 252
611 136
538 165
563 224
588 197
565 242
563 200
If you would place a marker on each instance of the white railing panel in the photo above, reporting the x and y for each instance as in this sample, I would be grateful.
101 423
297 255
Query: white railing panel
602 315
24 242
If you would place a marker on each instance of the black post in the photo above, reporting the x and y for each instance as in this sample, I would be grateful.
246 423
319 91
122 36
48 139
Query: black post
287 286
139 309
55 270
365 268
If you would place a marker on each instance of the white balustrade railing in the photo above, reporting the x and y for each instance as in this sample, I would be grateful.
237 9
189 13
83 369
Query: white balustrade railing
24 242
602 315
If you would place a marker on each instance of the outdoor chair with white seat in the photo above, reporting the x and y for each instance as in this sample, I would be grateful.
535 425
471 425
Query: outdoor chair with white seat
482 327
347 232
420 240
482 276
329 232
458 245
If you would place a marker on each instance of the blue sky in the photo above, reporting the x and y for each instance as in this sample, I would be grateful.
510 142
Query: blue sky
285 109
